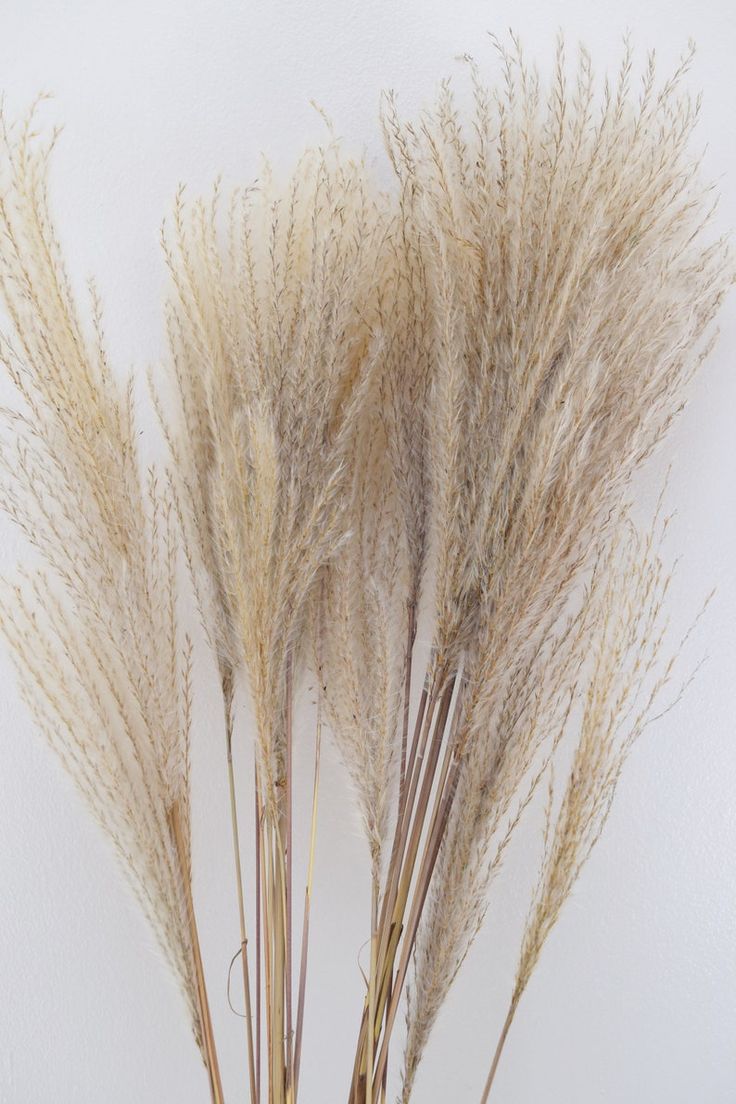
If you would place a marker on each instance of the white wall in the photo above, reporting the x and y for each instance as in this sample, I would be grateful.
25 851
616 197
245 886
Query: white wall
634 1001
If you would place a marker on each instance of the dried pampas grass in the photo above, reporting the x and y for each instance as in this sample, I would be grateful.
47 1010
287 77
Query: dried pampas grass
94 630
574 292
381 411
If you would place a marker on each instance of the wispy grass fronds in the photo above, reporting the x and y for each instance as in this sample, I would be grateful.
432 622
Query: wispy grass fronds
94 630
274 358
531 717
619 690
275 355
573 283
402 431
406 324
364 610
563 231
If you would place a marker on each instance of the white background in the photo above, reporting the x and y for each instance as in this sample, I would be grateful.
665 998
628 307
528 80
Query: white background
634 1001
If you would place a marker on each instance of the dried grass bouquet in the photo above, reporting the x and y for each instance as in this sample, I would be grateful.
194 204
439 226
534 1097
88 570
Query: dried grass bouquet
398 433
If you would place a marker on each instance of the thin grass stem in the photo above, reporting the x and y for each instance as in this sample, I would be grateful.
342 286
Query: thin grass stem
499 1051
259 941
289 872
308 896
208 1037
227 691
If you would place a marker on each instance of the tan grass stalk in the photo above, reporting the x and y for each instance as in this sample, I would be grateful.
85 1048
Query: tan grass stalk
240 895
257 833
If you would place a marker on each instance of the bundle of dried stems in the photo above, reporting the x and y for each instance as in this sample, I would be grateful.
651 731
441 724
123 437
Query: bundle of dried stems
381 410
